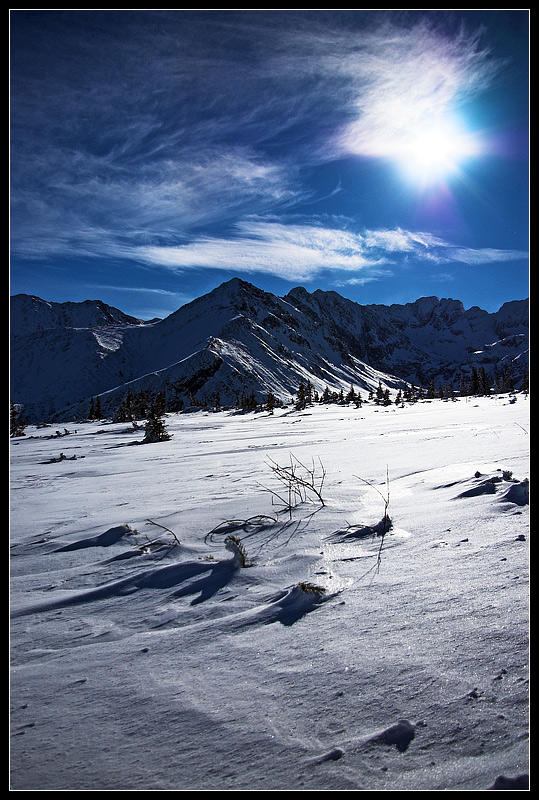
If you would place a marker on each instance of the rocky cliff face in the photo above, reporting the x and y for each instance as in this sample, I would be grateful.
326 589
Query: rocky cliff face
239 338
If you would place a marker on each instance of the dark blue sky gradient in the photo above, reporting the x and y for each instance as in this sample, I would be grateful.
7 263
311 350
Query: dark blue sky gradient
155 155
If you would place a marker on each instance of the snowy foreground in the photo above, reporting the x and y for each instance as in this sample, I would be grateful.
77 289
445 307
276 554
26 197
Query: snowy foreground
337 659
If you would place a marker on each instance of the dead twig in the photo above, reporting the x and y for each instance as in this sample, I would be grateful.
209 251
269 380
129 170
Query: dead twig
177 541
251 526
385 523
299 481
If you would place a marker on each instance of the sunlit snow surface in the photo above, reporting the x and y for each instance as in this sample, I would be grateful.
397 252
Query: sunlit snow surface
335 660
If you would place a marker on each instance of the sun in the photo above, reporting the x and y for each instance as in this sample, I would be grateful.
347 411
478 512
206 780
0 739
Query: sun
426 150
434 153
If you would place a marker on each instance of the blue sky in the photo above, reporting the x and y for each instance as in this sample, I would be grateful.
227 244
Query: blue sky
156 154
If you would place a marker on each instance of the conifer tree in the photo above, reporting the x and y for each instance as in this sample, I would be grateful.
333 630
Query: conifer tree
16 422
464 388
483 382
474 382
270 402
159 403
155 429
507 381
139 404
124 412
301 396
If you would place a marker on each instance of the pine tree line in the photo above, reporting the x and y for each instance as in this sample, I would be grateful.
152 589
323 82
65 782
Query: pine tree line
478 383
139 405
145 404
94 412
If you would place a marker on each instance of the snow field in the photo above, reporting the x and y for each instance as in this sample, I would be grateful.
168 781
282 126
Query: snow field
144 666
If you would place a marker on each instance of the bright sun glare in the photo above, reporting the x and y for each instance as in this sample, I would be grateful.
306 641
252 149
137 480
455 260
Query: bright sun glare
426 152
434 153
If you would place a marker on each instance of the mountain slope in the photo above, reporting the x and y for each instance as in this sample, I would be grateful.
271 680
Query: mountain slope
429 338
239 338
31 314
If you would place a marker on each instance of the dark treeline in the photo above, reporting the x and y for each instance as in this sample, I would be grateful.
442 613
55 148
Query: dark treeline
140 405
147 405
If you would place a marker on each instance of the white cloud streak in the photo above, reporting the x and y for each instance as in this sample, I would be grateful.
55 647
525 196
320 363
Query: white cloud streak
294 252
302 252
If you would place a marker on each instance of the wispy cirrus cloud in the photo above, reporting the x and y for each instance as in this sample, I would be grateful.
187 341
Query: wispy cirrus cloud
106 209
147 126
479 256
398 240
303 252
147 302
422 246
290 251
409 81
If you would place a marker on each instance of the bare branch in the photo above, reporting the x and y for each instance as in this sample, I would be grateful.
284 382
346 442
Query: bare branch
165 529
299 481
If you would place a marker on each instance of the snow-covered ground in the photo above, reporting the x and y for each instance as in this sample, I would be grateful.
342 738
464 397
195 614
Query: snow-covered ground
337 659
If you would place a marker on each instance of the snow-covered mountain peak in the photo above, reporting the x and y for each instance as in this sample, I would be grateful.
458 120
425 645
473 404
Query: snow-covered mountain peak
299 292
240 339
30 313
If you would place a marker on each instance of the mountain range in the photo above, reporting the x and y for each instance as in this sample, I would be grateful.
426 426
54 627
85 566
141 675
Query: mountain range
240 339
